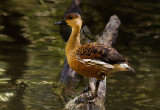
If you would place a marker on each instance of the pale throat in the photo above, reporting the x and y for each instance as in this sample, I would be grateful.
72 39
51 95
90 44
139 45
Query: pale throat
74 40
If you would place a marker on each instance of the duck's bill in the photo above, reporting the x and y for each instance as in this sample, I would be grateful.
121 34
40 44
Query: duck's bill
60 23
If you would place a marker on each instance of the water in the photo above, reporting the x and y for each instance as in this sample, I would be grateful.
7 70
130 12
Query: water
32 53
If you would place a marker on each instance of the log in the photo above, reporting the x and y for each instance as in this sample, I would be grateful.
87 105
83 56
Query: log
107 37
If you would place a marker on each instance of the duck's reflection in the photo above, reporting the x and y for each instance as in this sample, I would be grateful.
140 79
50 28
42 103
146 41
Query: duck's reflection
14 56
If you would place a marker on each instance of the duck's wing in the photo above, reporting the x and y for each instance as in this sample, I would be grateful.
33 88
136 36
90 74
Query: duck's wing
94 52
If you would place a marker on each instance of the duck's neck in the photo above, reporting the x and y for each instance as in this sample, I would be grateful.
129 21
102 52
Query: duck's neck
74 40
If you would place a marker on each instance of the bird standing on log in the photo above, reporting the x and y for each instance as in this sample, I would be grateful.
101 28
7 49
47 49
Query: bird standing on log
93 59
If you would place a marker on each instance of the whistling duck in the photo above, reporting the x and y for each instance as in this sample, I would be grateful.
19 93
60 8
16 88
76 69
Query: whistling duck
93 59
65 30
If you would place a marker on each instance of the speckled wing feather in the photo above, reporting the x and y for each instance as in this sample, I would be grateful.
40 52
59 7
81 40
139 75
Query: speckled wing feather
99 52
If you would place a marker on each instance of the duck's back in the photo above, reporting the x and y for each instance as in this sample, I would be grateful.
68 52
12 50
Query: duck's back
100 52
93 59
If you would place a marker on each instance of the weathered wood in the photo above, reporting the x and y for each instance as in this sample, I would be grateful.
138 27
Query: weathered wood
110 32
107 37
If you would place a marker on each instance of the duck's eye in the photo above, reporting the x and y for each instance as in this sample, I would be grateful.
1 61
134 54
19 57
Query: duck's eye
70 17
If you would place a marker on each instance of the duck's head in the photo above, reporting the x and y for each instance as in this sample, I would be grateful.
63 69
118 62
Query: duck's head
73 19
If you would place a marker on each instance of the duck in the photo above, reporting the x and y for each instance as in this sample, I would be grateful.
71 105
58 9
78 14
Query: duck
65 30
92 60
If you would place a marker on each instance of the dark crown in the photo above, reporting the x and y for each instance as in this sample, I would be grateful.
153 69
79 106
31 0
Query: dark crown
72 16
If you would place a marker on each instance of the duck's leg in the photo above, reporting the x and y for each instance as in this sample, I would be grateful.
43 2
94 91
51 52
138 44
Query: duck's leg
94 94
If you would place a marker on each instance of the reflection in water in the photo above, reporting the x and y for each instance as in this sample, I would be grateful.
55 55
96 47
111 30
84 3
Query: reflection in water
15 58
12 97
10 21
138 40
14 55
37 66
